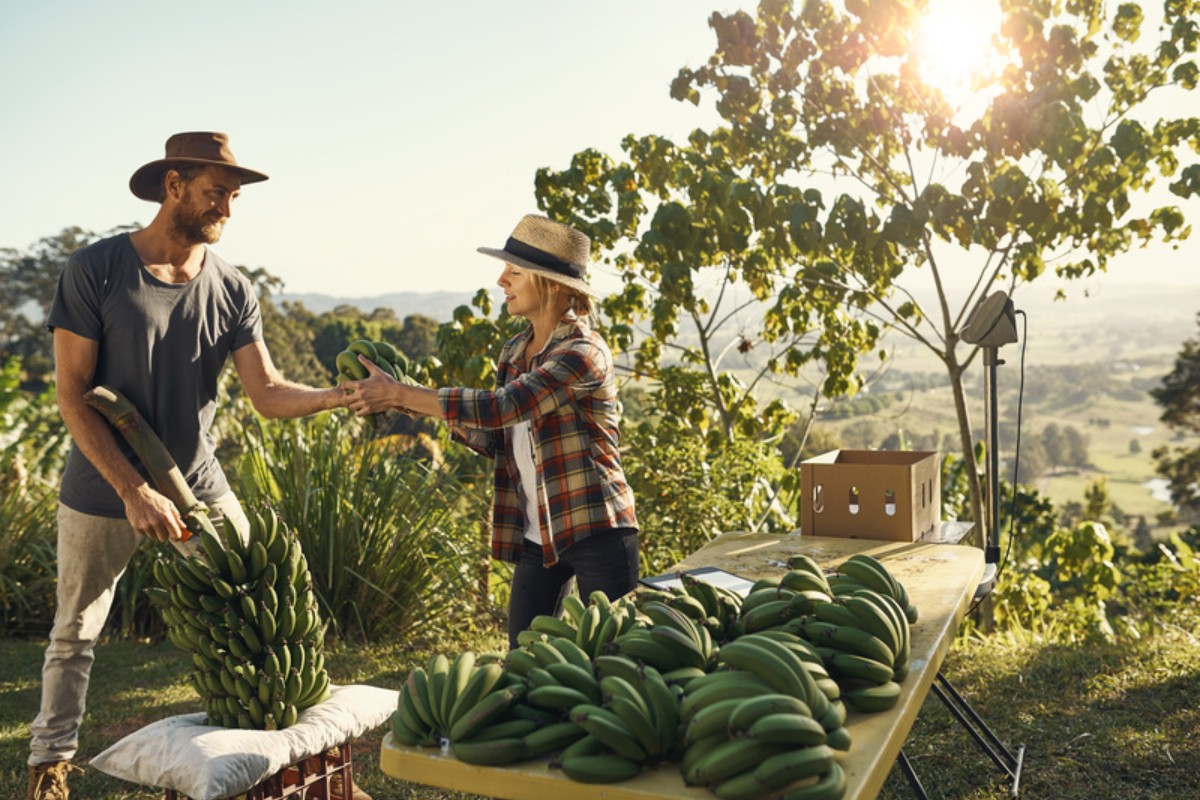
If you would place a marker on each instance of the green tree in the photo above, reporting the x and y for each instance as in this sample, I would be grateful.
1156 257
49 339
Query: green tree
28 279
1179 397
1054 444
837 169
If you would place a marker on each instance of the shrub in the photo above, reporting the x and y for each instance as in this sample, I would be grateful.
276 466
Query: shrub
391 537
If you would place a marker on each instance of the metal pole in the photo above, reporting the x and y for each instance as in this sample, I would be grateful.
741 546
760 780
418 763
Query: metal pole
991 548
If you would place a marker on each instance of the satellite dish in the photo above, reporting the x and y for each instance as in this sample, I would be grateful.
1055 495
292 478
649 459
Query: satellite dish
992 323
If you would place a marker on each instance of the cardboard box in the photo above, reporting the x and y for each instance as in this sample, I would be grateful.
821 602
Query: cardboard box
871 494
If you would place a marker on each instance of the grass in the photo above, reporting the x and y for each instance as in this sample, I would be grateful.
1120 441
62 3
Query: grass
1101 722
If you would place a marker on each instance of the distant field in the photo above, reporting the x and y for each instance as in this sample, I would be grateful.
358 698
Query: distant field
1132 338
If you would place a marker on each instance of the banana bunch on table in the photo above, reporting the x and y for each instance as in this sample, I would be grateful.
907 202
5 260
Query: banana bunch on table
863 637
247 613
773 602
465 702
592 625
716 607
861 571
760 724
673 643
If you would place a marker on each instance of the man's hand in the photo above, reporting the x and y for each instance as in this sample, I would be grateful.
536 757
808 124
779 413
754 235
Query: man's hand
154 516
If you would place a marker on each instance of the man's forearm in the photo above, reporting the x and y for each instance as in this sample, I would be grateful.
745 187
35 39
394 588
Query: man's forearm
286 400
95 439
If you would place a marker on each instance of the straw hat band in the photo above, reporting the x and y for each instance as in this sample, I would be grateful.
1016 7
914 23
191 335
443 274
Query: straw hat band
542 258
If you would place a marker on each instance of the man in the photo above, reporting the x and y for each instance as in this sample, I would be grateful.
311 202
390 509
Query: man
155 315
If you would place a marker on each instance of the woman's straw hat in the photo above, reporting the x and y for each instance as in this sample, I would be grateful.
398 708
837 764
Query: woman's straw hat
555 251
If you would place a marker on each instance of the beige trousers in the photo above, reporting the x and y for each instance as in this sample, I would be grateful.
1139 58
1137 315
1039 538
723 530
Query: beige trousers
93 553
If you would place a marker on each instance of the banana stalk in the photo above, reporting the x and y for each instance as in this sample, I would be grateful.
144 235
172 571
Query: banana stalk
150 450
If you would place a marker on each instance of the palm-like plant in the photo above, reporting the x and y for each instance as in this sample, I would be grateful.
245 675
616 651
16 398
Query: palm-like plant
389 536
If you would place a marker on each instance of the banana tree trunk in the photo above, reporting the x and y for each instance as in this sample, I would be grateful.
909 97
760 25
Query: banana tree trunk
150 450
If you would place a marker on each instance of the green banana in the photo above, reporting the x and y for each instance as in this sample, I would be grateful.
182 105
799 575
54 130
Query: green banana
872 617
552 738
416 684
832 786
488 708
556 698
601 768
641 646
545 653
573 609
711 720
849 639
754 708
787 728
801 562
493 752
505 730
874 698
609 729
577 678
869 572
777 667
520 661
552 626
637 717
732 685
780 770
480 682
456 681
860 668
730 758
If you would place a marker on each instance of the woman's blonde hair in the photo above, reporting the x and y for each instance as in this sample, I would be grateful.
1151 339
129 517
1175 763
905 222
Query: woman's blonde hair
577 301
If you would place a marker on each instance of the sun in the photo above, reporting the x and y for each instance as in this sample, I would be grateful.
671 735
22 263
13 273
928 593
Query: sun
954 47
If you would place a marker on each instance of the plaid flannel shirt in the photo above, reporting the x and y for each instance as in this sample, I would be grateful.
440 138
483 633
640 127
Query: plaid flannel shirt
570 398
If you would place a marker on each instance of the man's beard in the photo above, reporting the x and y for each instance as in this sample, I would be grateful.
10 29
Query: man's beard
195 226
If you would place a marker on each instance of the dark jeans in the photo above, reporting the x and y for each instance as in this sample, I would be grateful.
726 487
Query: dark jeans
605 561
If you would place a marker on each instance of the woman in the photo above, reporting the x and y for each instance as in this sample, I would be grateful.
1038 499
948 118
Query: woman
562 508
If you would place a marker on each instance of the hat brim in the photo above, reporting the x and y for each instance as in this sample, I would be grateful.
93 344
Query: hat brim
146 181
549 274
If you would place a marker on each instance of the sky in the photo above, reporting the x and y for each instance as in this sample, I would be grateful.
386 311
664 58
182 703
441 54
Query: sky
399 136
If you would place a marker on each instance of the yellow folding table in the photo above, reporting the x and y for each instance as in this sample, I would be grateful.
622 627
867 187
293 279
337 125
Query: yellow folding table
941 580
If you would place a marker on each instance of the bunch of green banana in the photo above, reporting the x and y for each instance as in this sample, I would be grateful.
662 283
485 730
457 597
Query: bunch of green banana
861 571
592 626
750 729
774 659
672 643
382 355
773 602
634 723
457 700
863 639
247 614
715 607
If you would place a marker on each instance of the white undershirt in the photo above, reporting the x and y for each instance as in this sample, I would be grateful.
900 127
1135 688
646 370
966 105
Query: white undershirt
522 442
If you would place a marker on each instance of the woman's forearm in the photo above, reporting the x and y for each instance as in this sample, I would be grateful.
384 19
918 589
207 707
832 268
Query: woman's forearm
417 399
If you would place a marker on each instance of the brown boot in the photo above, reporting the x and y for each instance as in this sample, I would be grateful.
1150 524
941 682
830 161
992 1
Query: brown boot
49 781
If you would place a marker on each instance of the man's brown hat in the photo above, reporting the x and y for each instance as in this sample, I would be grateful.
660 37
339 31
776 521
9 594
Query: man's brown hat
204 148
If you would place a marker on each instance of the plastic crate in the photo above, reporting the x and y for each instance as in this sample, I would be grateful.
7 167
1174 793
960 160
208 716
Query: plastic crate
296 780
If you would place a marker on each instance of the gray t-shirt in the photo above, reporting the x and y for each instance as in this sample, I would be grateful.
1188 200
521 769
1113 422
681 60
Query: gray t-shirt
162 345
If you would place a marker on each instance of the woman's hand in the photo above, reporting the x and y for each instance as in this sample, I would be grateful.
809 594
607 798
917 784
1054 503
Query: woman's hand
376 392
